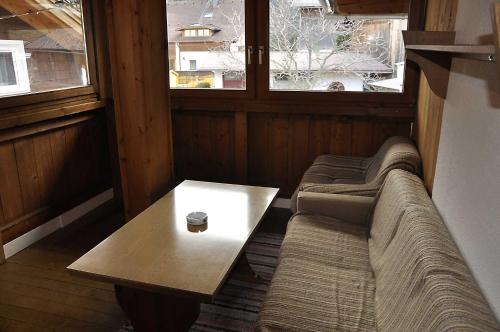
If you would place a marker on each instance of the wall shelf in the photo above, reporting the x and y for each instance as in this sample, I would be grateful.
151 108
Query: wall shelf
433 51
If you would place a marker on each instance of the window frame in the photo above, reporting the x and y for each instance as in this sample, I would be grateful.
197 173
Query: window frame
416 15
257 84
90 92
250 41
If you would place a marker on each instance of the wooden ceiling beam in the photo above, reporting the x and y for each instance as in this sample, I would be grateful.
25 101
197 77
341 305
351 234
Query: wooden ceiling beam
45 20
371 7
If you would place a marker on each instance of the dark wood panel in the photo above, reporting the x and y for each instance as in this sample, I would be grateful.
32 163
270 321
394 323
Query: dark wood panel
279 147
204 147
49 171
282 147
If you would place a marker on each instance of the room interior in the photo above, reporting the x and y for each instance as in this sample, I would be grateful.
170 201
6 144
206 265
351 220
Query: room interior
237 165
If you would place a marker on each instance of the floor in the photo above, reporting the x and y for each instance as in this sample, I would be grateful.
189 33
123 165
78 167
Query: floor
38 294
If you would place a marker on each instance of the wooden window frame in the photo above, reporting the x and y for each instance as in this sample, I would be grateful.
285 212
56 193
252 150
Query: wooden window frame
249 92
64 95
257 31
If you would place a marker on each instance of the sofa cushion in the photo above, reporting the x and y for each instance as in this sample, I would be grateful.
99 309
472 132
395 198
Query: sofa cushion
313 296
396 153
326 240
422 282
399 191
356 175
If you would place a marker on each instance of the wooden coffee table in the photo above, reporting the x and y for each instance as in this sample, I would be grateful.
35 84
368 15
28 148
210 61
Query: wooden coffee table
162 269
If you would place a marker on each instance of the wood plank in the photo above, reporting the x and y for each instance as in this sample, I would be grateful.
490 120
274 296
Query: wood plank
342 132
278 147
298 144
258 149
371 7
440 16
319 136
28 174
10 192
136 31
241 147
362 139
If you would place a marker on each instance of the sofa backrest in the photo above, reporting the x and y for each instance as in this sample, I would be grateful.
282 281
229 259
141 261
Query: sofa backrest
396 153
422 282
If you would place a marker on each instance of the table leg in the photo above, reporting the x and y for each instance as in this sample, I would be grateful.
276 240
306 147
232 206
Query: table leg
244 272
157 312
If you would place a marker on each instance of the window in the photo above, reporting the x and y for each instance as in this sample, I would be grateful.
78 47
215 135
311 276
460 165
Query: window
202 63
36 56
317 50
14 77
192 64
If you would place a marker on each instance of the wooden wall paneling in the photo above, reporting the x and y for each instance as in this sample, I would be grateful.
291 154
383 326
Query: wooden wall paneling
47 171
10 193
341 142
138 51
183 145
45 167
362 143
258 148
373 7
298 157
241 147
440 16
28 174
278 138
224 142
319 136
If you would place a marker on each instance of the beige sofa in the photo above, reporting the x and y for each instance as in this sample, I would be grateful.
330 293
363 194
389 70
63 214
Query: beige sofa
358 176
351 263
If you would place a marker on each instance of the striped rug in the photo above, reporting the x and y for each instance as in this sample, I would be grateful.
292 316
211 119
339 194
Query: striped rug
237 305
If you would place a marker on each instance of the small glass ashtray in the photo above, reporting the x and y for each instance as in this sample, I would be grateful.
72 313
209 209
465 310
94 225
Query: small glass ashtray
197 218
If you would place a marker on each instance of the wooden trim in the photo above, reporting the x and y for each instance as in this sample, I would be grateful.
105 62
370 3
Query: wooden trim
240 146
16 133
19 118
55 95
2 252
496 28
281 106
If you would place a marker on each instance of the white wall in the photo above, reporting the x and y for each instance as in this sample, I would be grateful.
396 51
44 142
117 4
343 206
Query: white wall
467 184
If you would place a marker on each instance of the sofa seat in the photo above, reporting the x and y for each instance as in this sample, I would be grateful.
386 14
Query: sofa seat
328 241
323 281
356 175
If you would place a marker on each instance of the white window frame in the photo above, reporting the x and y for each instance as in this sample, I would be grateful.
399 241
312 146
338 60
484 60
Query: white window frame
16 48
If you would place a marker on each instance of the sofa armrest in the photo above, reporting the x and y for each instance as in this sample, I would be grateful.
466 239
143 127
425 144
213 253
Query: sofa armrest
352 209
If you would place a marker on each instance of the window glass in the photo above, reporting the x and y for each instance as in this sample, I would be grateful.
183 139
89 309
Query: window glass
206 43
314 49
42 45
7 70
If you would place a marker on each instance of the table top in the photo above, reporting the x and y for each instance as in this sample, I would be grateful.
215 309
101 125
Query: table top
156 251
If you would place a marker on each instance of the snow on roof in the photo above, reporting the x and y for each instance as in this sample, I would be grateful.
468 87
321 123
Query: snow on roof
205 13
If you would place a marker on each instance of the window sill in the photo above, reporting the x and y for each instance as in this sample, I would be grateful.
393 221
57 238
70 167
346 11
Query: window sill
35 113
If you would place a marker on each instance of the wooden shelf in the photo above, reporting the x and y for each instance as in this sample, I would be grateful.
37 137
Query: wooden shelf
433 51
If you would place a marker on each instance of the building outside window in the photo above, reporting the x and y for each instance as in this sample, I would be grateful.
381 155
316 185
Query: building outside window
43 45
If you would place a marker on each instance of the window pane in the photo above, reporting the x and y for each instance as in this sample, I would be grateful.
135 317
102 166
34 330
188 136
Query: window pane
7 72
206 44
47 45
314 49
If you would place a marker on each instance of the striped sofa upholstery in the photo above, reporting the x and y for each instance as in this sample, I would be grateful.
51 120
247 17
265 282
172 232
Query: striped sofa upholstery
356 175
400 271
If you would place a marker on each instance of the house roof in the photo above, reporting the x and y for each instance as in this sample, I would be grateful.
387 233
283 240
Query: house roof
58 40
213 14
